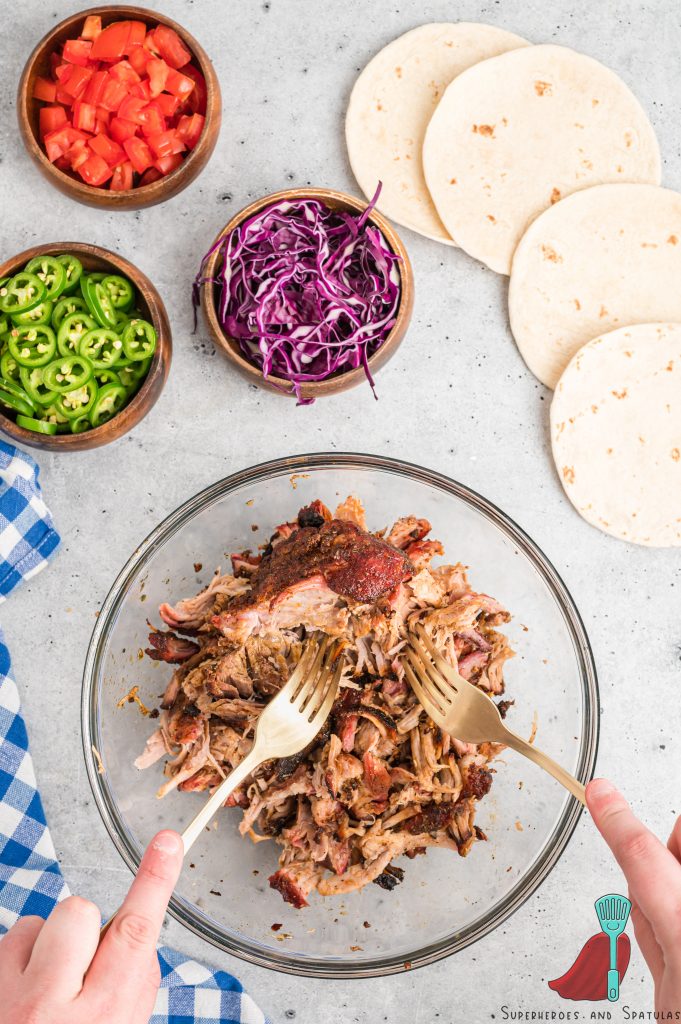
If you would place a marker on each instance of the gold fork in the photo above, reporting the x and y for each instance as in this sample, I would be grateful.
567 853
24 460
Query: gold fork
286 725
464 711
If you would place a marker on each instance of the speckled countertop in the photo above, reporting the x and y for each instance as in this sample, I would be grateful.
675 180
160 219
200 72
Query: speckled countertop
456 397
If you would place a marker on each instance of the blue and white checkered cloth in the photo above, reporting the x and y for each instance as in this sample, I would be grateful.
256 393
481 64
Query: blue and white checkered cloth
31 881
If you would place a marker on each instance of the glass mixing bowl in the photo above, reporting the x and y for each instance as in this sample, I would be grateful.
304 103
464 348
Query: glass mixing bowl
445 902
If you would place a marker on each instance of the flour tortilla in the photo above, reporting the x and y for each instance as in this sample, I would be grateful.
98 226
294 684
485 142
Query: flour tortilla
392 103
603 258
517 133
616 433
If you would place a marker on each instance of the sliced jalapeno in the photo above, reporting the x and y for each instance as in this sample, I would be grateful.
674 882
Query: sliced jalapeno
22 292
39 426
51 272
79 402
109 401
67 305
103 377
102 347
13 388
32 346
41 314
71 330
80 425
73 269
34 385
132 376
99 301
5 324
9 367
121 292
17 404
67 374
139 340
52 415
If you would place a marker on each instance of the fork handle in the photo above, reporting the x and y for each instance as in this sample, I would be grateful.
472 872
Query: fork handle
547 763
214 802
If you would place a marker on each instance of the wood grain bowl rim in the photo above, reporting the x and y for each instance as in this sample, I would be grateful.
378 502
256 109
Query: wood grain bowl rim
344 381
144 195
148 394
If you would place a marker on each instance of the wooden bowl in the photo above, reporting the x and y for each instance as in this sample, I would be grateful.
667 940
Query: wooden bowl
131 199
343 381
149 303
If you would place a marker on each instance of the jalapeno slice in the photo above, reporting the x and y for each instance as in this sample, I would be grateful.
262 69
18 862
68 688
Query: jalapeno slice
102 347
32 346
22 292
109 401
139 340
121 292
52 415
9 367
41 314
80 425
71 330
67 373
39 426
103 377
33 384
5 324
73 269
67 305
79 402
8 400
15 389
51 273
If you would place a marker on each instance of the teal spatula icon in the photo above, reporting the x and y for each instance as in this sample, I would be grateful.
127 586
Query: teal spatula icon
613 914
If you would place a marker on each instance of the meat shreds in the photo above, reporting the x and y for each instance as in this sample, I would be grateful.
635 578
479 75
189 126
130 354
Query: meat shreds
380 781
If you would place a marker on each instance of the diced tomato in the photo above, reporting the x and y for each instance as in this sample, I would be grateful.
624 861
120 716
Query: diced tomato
112 42
78 154
95 170
153 174
63 163
199 97
75 83
120 130
131 109
171 47
63 71
166 164
166 143
158 73
55 61
150 42
153 121
179 85
113 95
168 104
92 27
138 32
59 142
63 97
45 90
139 154
123 71
141 90
51 118
189 128
84 116
95 88
77 51
122 177
139 57
107 149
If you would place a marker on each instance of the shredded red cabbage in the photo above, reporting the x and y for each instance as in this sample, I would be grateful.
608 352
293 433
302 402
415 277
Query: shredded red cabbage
308 291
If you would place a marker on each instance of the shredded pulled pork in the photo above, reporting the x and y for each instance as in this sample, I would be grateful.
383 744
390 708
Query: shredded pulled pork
381 780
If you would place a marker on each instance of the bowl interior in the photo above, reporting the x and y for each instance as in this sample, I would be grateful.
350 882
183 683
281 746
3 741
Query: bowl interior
40 67
445 902
342 379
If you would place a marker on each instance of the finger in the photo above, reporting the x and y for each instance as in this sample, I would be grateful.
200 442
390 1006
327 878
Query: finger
653 874
674 841
17 945
128 949
64 948
647 943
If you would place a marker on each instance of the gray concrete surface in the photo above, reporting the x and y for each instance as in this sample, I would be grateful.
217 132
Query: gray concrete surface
457 397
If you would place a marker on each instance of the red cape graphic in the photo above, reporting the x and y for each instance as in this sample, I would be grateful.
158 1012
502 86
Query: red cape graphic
588 976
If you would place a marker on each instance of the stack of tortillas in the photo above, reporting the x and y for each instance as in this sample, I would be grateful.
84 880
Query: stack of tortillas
541 163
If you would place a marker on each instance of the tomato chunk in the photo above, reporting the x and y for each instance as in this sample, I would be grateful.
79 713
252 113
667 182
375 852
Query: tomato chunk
139 154
44 89
107 149
153 121
166 143
131 108
77 51
95 170
153 174
122 177
157 70
84 116
112 42
168 104
179 85
139 57
95 88
74 84
166 164
171 47
50 119
91 27
123 71
120 129
198 99
189 128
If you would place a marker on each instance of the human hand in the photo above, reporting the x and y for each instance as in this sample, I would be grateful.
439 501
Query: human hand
653 872
52 972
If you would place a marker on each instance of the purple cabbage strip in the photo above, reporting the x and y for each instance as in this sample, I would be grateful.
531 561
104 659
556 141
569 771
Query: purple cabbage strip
307 291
